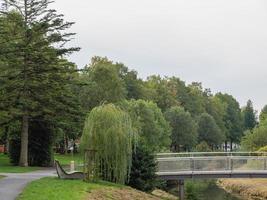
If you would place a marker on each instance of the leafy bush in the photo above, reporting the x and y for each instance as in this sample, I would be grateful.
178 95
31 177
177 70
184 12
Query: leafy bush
143 171
263 149
256 139
203 147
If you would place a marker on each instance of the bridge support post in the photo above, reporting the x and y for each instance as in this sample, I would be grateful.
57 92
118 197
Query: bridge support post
181 189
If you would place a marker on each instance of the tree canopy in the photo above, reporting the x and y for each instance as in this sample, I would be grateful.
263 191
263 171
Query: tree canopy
208 131
149 123
184 129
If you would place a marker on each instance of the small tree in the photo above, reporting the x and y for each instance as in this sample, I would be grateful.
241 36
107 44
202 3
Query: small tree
108 130
143 171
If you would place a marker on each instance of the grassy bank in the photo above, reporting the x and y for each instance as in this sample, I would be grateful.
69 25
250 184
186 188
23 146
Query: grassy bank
7 167
66 158
1 177
56 189
254 189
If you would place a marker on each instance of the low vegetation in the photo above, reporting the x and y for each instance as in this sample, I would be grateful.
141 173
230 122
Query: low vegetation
65 159
7 167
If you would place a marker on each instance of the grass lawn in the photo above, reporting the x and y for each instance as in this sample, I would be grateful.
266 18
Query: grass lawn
7 167
1 177
57 189
65 159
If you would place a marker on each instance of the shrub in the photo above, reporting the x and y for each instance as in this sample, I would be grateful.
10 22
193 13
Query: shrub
143 171
203 147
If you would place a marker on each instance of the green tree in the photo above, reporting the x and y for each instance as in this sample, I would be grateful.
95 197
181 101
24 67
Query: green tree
158 90
32 73
196 100
184 129
263 114
209 131
143 172
149 123
232 118
108 130
102 84
217 109
249 116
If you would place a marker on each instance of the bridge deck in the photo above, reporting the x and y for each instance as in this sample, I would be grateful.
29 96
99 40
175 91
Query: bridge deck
211 174
212 165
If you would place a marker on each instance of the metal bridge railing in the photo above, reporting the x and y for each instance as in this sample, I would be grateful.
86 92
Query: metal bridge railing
212 161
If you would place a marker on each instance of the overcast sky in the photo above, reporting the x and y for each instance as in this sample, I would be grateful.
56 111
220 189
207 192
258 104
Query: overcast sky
221 43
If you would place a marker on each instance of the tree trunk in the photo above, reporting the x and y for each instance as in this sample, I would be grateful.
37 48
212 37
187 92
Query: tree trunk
65 144
225 146
23 161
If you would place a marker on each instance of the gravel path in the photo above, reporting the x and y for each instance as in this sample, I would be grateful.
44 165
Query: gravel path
13 184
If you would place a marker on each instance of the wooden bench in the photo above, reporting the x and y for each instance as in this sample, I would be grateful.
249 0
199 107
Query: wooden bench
62 174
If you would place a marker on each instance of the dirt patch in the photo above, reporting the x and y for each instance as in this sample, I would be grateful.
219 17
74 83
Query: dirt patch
252 189
122 194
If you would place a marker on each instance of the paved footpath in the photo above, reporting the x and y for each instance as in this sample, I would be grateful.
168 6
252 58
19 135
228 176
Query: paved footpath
13 184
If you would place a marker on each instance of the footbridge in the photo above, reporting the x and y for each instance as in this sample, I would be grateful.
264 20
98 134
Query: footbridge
210 165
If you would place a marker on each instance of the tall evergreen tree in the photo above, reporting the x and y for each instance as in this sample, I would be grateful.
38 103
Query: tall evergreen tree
249 116
34 72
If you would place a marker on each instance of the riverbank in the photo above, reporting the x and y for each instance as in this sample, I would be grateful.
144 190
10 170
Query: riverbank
251 189
57 189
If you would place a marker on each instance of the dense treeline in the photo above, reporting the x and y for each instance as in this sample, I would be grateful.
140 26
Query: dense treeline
41 91
193 114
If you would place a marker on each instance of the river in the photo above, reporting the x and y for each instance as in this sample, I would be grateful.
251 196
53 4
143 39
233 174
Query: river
210 191
205 190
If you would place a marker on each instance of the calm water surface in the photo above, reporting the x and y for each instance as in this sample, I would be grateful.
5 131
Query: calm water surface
207 190
213 192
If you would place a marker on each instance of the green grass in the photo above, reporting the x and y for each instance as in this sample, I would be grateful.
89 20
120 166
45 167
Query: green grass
55 189
65 159
7 167
2 177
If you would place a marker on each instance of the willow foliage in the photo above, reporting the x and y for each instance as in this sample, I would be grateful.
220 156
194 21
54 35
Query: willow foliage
108 130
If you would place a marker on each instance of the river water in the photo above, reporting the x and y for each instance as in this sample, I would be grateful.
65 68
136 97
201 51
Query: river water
213 192
206 190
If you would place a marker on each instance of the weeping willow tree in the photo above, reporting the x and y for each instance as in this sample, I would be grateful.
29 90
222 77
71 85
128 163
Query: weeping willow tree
108 130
